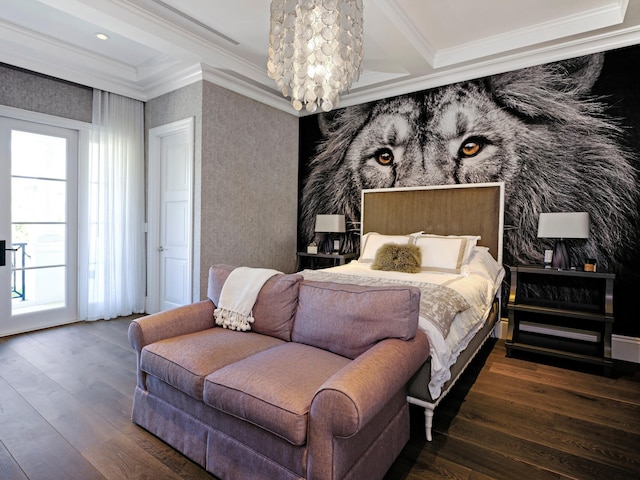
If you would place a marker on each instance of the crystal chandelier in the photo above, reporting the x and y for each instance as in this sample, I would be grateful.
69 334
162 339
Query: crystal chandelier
315 50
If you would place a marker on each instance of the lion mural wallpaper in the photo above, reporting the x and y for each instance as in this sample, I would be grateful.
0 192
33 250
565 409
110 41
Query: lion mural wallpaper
563 136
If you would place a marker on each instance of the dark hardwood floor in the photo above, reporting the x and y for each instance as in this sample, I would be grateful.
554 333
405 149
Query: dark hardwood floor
65 401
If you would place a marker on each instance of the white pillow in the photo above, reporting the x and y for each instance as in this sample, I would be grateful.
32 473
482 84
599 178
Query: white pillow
447 253
483 263
372 241
472 242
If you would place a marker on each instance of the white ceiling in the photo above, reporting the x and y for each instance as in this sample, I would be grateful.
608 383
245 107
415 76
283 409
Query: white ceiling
156 46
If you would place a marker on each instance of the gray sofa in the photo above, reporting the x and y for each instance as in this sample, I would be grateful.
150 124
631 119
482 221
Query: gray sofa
316 389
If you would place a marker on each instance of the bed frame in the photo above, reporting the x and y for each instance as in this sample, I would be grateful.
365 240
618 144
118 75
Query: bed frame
468 209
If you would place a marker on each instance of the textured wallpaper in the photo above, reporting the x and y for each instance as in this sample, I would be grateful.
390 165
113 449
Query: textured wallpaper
42 94
246 180
249 182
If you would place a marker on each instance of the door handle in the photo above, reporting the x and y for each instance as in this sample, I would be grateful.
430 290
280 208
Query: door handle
3 250
161 248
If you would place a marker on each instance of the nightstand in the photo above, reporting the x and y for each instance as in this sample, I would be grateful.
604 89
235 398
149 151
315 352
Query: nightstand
565 314
322 260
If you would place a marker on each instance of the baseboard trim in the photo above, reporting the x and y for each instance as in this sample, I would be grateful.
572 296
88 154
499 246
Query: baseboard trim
500 330
622 348
625 348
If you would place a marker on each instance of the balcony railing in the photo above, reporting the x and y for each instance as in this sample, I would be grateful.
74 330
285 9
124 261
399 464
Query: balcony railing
18 260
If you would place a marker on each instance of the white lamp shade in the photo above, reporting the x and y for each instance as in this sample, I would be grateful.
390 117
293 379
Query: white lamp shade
330 223
563 225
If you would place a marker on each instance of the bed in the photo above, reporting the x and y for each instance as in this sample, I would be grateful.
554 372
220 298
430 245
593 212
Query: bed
460 283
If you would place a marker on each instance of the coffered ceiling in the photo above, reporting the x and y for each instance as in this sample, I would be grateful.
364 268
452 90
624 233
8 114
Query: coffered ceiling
156 46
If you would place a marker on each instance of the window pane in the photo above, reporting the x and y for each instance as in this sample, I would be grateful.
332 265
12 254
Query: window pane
34 200
38 245
38 289
34 155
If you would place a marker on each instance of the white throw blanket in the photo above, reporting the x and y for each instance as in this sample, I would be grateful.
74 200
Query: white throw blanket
238 295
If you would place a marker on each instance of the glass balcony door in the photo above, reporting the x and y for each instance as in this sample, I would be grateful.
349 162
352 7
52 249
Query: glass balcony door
38 212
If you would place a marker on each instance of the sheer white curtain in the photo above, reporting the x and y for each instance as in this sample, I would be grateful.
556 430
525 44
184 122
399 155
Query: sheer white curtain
111 280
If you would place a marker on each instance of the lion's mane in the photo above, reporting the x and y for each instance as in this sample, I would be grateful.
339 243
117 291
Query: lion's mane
564 154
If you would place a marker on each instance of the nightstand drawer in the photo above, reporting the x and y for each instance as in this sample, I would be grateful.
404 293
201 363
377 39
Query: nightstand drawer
322 260
561 313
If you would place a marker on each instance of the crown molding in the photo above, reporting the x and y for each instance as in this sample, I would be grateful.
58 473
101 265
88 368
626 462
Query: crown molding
495 65
565 27
396 15
248 88
188 57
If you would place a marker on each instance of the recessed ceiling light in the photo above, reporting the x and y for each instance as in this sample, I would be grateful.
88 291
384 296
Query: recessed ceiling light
102 36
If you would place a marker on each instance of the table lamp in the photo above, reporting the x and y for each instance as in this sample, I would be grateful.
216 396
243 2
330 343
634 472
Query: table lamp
561 225
330 224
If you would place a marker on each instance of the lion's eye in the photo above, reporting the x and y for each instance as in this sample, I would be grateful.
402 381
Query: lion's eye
384 156
471 147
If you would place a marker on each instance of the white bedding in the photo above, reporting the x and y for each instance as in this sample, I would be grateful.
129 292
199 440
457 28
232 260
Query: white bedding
478 285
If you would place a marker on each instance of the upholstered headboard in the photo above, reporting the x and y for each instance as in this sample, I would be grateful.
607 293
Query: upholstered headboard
467 209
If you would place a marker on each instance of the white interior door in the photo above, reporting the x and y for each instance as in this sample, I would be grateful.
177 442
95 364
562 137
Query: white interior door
38 225
170 222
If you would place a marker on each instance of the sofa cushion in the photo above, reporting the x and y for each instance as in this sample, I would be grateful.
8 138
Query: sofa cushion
349 319
184 361
275 306
274 388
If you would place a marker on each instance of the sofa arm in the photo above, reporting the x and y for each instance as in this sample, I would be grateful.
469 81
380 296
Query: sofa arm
171 323
354 395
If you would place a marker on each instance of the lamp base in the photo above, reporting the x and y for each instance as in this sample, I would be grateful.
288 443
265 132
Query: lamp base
560 258
327 244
